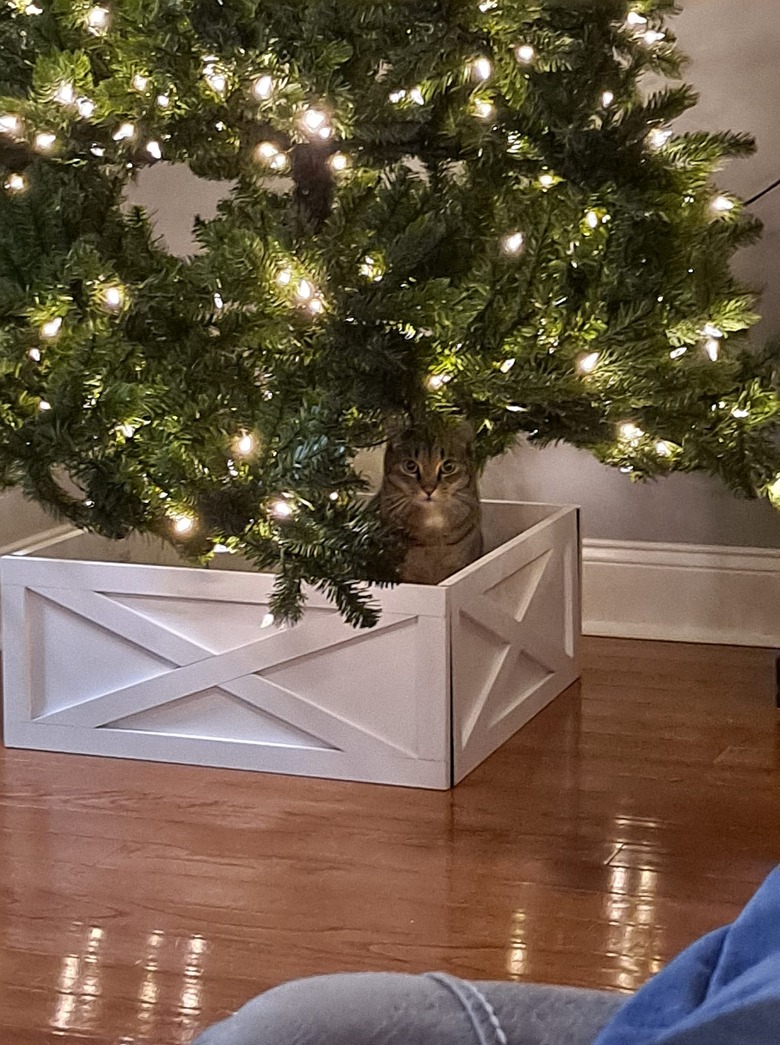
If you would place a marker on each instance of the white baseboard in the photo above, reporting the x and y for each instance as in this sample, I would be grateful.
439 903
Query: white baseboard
682 592
640 590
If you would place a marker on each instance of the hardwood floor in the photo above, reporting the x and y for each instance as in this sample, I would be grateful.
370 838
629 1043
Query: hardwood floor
141 902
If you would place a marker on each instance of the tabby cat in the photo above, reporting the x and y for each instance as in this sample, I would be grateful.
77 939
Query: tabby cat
429 492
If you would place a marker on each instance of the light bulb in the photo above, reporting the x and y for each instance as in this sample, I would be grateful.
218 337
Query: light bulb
314 119
113 297
86 107
710 330
635 19
305 290
592 219
435 382
677 352
218 302
44 405
339 162
35 355
740 412
333 496
245 444
10 124
712 348
484 110
278 162
281 509
722 204
217 81
417 96
52 327
514 408
587 364
140 82
653 37
263 87
482 68
368 267
663 449
127 430
98 18
154 149
284 278
163 101
630 431
124 132
506 366
15 183
512 243
45 141
65 94
607 98
397 96
658 137
268 621
97 150
182 524
266 151
525 53
546 180
317 306
488 5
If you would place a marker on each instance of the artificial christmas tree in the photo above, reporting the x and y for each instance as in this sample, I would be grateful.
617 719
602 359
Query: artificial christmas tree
465 211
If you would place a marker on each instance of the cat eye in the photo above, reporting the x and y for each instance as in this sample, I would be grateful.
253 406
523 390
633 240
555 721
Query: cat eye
448 468
410 467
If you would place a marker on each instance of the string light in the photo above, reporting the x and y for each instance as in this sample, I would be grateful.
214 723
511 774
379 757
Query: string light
182 524
284 278
282 509
51 328
587 364
218 302
547 180
483 109
397 96
634 19
712 348
482 68
45 141
124 132
740 412
216 80
10 124
304 291
663 449
607 98
97 150
86 108
437 381
245 444
154 149
652 36
127 430
592 219
512 243
317 306
44 405
35 355
263 87
15 183
371 269
98 19
65 94
163 101
630 431
271 155
315 121
677 352
525 54
710 330
113 297
140 82
339 162
507 365
658 137
722 204
268 621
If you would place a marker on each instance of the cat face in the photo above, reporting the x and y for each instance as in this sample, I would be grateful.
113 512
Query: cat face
429 473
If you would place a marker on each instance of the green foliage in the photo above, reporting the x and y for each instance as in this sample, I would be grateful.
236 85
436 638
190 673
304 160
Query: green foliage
441 211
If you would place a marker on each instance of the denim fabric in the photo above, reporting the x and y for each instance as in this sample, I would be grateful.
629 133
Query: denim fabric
399 1009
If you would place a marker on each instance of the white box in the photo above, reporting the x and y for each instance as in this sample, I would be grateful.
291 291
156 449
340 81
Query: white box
175 664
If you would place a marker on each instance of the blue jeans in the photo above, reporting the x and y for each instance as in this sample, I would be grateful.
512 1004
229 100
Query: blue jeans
400 1009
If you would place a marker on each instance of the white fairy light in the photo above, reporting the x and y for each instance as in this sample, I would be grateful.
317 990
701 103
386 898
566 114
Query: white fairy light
740 412
267 151
35 355
507 365
113 297
43 405
525 54
216 80
607 98
339 162
304 290
154 149
284 278
630 431
163 101
140 82
653 36
722 204
86 108
15 183
263 87
482 68
712 348
245 444
663 449
282 509
127 430
710 330
677 352
97 150
658 137
512 243
483 109
546 180
488 5
634 19
45 141
124 132
10 123
317 306
182 524
98 18
51 328
368 267
587 364
514 408
66 94
218 301
417 96
436 381
268 621
592 219
314 120
333 496
278 162
397 96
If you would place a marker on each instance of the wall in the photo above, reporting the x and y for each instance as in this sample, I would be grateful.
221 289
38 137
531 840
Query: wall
734 46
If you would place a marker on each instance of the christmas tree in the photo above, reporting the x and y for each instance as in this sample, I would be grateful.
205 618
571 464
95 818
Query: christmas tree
440 211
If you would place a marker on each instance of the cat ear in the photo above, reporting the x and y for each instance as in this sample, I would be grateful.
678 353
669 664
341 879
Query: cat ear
465 432
396 427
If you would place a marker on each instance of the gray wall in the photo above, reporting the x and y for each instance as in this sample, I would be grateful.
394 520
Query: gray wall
734 46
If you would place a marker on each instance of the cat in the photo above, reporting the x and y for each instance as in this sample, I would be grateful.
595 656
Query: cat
429 493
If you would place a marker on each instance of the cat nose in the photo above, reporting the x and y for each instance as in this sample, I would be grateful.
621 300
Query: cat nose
429 488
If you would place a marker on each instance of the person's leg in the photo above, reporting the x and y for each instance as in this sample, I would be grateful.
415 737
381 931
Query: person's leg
399 1009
